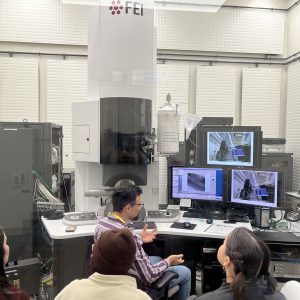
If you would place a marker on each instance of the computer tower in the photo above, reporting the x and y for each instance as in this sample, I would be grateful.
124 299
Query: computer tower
282 162
68 189
213 273
25 274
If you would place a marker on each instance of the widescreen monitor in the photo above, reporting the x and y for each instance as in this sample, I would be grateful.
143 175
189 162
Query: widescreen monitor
254 187
231 146
197 183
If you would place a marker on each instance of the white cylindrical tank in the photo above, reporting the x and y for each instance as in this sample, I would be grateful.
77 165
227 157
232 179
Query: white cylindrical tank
168 128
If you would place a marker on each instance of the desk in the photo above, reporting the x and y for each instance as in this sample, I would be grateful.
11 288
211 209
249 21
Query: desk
56 229
71 250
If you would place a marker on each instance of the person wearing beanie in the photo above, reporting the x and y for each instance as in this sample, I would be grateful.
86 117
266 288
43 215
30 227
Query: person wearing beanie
127 203
113 255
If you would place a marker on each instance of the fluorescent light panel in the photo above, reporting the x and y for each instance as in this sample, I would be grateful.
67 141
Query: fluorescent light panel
82 2
190 5
179 5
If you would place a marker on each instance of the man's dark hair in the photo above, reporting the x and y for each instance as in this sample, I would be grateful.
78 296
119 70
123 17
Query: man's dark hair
125 194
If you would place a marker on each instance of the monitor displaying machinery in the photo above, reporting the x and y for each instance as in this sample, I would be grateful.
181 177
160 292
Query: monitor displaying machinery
231 146
254 187
197 183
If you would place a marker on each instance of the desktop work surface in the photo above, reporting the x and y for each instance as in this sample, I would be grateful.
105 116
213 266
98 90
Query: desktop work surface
218 229
72 250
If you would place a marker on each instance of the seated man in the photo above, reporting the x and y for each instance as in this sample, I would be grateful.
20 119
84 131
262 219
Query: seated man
127 203
247 190
113 255
223 153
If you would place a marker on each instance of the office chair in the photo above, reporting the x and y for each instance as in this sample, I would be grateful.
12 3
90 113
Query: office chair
159 289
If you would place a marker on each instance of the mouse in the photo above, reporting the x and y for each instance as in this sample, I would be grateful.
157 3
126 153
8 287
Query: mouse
187 225
209 221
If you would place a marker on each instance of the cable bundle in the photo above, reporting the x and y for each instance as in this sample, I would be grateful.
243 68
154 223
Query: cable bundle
44 199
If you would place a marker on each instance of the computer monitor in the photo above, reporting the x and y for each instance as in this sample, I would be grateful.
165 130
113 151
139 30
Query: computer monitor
197 183
254 187
230 146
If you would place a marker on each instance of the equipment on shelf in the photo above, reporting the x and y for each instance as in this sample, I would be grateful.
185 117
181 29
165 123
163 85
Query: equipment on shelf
163 216
80 218
26 274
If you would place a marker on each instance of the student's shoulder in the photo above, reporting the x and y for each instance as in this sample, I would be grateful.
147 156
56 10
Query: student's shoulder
143 295
140 295
276 296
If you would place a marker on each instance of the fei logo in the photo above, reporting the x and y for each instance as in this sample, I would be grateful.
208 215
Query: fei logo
135 8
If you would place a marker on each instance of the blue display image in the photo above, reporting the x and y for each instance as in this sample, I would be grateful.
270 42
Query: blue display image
257 188
230 148
197 183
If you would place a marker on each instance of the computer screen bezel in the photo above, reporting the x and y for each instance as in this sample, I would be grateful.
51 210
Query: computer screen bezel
279 187
202 145
171 193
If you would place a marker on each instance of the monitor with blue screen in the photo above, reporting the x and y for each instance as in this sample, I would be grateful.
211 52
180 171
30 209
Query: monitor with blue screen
197 183
232 146
254 187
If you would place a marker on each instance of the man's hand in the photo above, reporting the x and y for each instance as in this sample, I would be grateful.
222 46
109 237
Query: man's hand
148 236
175 259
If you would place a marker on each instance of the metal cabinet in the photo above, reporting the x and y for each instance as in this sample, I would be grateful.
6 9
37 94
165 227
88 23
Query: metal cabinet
25 147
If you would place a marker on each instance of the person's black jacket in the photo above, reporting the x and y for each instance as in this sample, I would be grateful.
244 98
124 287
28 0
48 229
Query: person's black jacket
254 291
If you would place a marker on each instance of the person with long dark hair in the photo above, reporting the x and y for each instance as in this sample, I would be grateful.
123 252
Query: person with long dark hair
266 282
7 290
245 259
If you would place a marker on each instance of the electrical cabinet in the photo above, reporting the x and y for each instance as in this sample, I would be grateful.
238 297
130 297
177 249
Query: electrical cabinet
16 190
25 147
282 162
46 150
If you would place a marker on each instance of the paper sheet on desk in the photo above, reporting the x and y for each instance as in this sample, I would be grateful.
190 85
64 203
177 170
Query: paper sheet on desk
295 228
224 229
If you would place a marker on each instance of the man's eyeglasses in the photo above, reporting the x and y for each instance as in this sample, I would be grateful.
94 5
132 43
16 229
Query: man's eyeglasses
139 204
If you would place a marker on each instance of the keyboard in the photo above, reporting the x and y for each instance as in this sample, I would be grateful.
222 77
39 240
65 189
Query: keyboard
243 219
140 225
196 215
204 214
237 217
218 216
